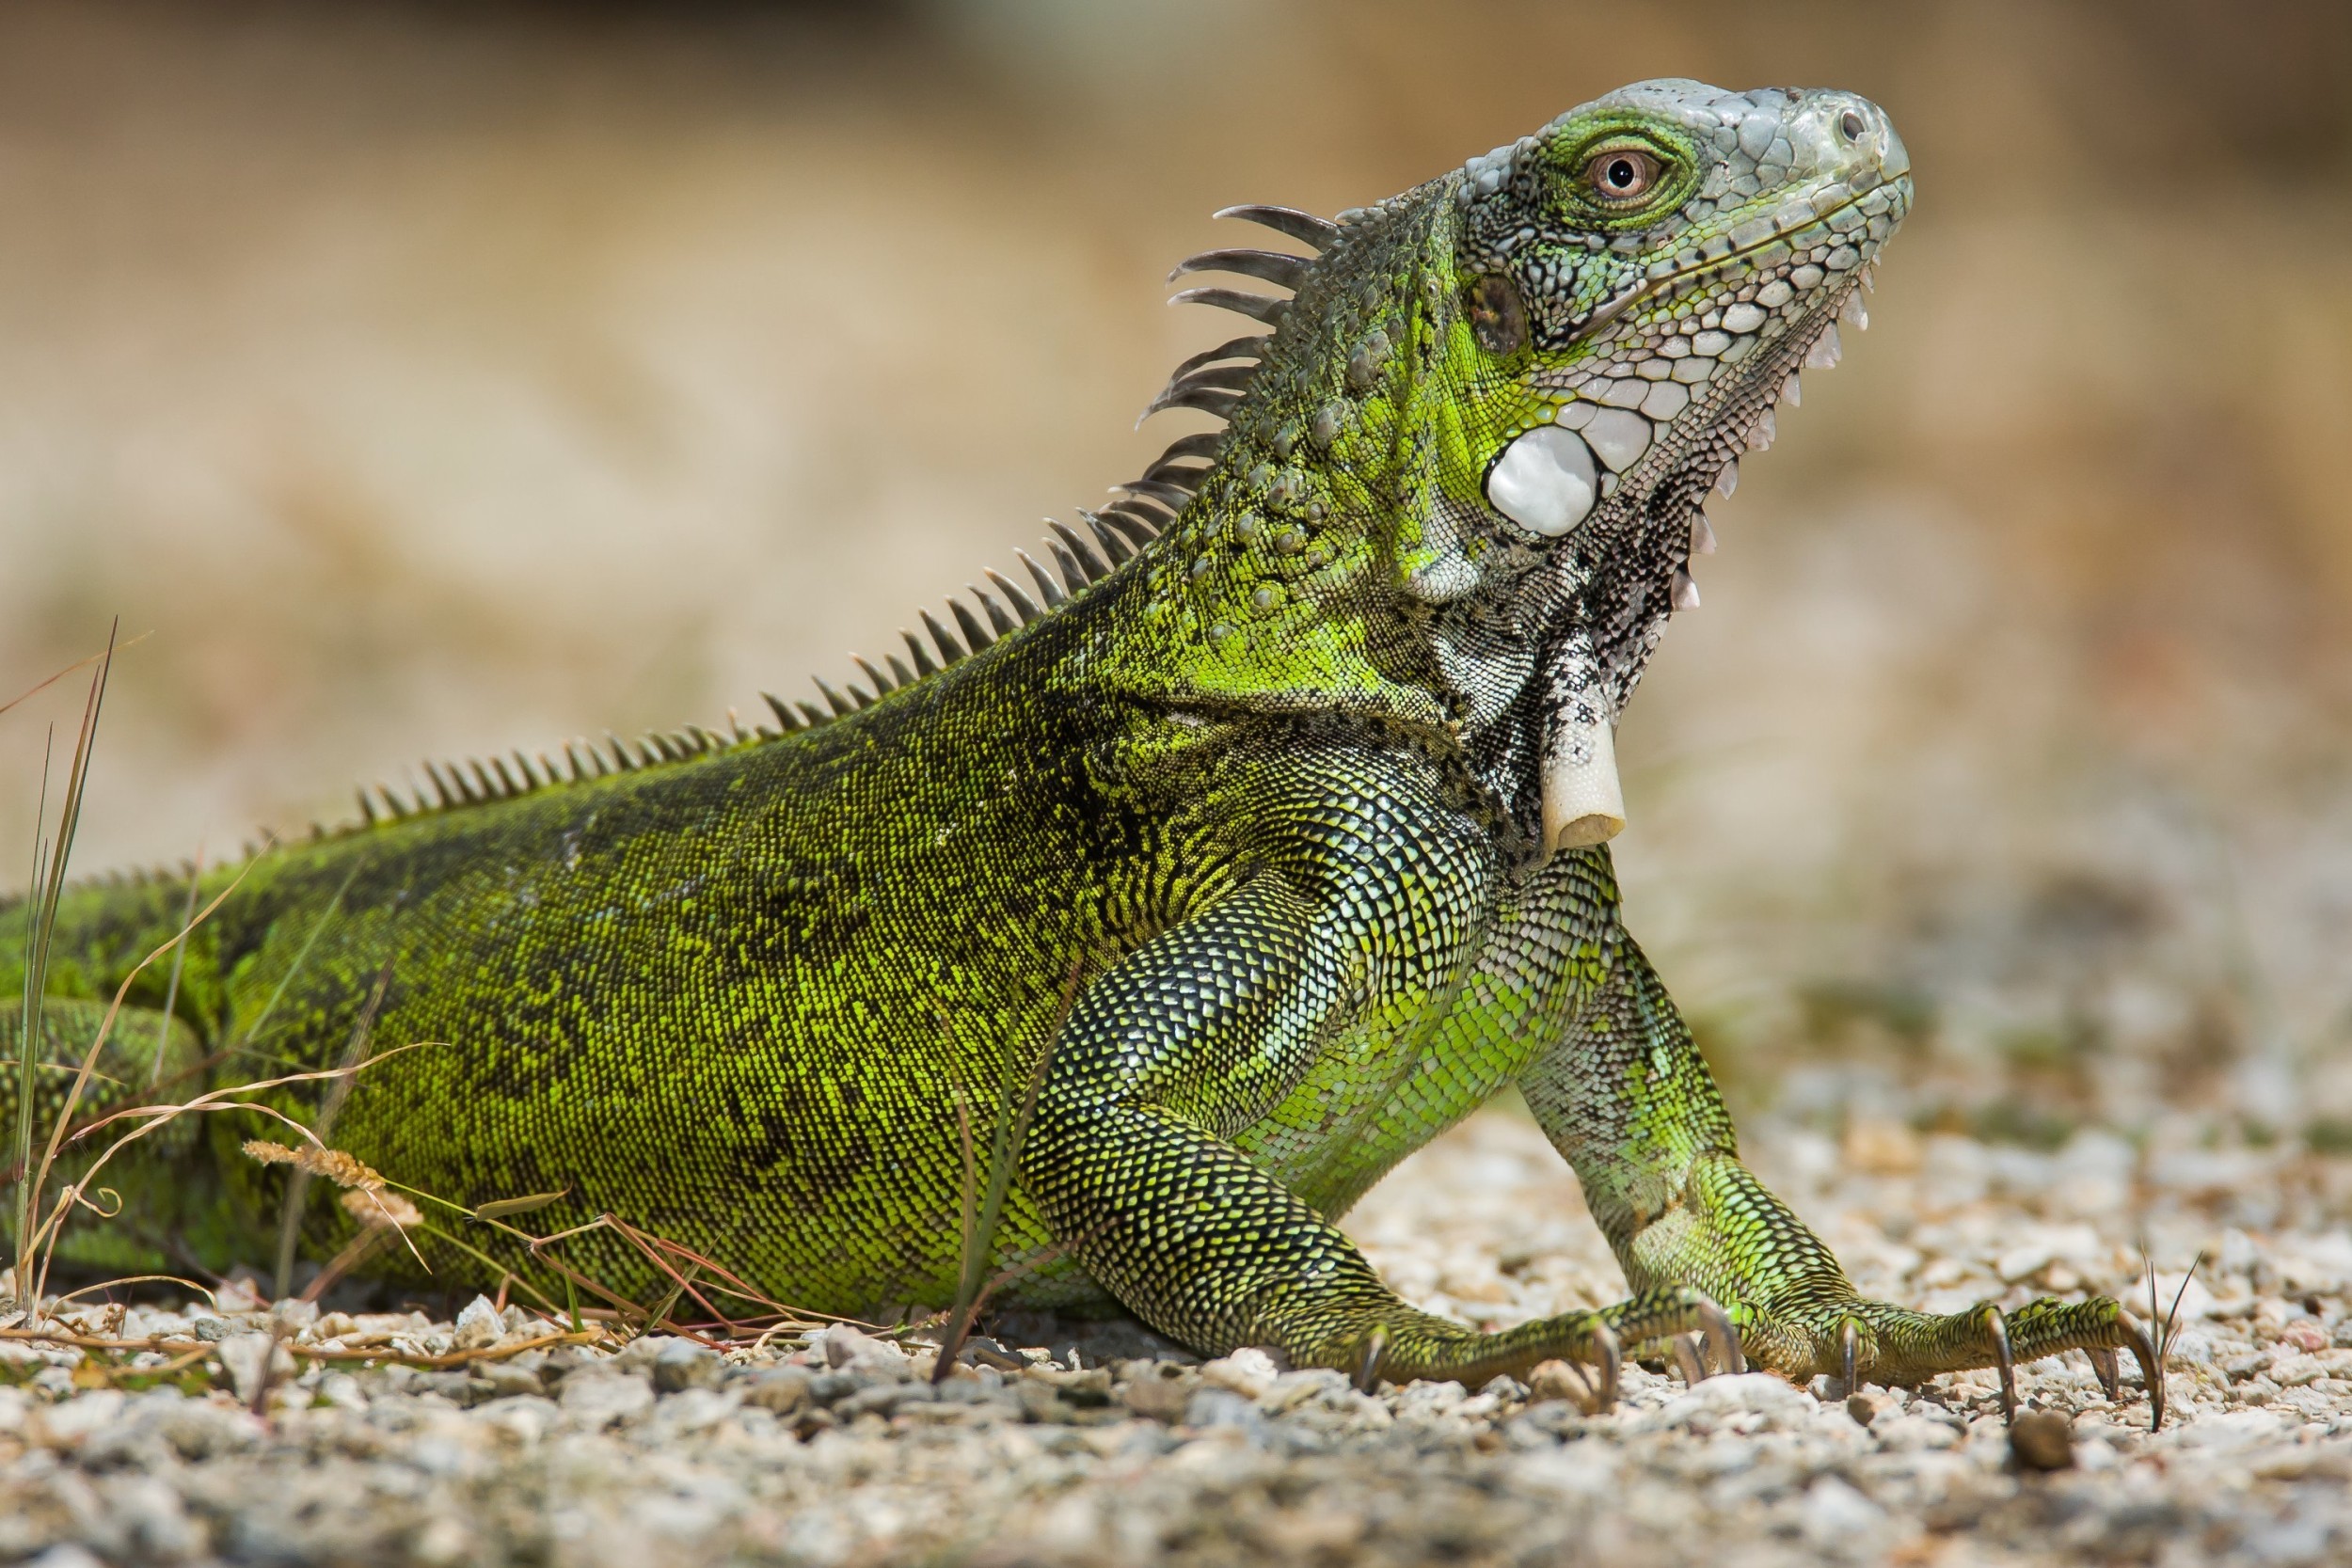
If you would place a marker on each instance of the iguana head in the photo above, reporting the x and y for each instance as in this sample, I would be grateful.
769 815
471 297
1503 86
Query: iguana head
1471 458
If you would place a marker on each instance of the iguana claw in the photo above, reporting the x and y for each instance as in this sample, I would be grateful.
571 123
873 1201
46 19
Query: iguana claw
1722 1338
1611 1360
1996 1328
2108 1369
2151 1368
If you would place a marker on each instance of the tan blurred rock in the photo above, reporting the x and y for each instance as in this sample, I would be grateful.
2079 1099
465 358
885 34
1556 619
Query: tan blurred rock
1557 1380
1879 1147
2041 1440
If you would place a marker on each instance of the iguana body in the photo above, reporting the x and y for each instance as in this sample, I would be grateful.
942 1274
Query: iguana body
1270 855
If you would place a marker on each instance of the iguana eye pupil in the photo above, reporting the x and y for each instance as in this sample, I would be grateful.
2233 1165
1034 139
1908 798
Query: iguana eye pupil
1622 175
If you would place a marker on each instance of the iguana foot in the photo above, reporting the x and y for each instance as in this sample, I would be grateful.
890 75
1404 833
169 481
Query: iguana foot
1426 1347
1857 1341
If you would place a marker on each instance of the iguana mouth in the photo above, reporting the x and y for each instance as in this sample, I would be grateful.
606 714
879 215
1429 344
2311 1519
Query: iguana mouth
1785 224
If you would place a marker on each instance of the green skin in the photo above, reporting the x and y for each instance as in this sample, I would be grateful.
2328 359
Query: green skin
1224 850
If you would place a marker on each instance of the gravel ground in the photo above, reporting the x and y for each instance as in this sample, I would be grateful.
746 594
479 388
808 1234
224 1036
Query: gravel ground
1074 1444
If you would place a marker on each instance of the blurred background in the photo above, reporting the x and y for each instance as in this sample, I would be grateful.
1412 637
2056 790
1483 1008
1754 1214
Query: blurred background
431 379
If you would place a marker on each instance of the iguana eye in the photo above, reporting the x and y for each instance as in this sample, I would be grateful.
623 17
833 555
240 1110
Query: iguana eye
1622 174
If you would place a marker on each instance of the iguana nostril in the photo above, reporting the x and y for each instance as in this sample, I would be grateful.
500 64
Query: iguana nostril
1852 124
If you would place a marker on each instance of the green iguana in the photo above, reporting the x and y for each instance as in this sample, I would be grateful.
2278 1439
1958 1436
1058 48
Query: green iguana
1265 837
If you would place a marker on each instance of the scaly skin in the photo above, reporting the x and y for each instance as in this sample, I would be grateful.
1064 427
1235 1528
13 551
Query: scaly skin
1276 850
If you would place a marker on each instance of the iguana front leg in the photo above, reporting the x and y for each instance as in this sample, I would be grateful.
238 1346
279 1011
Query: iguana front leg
1626 1097
1202 1031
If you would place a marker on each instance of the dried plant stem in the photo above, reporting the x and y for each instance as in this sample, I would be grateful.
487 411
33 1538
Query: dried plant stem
178 963
49 865
45 1234
308 1353
298 1179
32 1181
38 687
1011 1130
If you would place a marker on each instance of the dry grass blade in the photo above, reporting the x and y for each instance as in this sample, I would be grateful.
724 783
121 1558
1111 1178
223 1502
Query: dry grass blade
972 1286
45 1235
49 865
507 1207
178 965
298 1185
104 656
29 1188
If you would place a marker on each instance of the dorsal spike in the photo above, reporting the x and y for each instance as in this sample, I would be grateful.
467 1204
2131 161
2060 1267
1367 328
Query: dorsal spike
1072 573
1174 497
735 727
1002 623
1212 401
841 705
548 770
1046 584
949 649
1265 307
1202 444
883 685
976 636
1139 529
657 748
1305 228
898 669
604 769
1158 513
522 763
1090 566
367 808
810 717
571 763
709 741
440 790
1178 475
1278 267
623 758
1184 392
784 716
1113 544
1022 604
489 790
1252 348
1224 377
393 804
924 663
